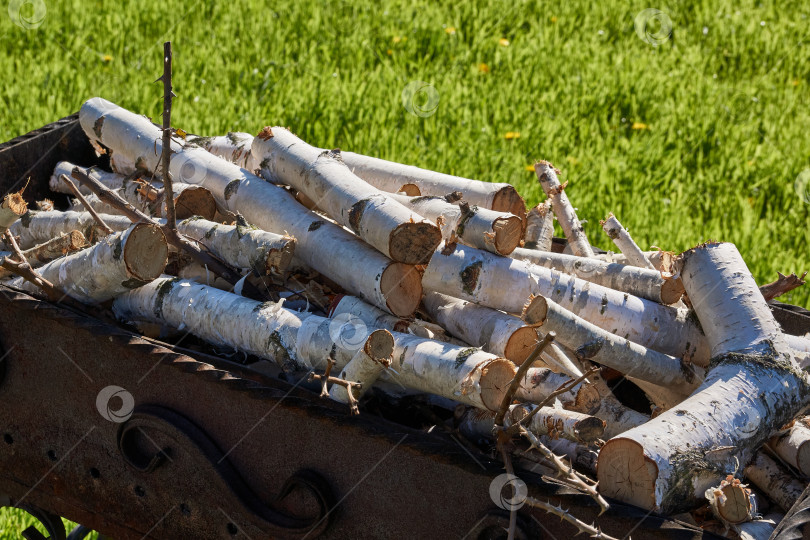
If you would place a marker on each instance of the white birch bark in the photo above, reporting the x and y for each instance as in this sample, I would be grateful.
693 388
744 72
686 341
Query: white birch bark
117 264
566 215
263 252
793 446
389 226
641 282
760 529
39 227
234 147
672 379
47 251
550 421
199 273
508 284
753 388
625 243
657 258
111 180
774 480
392 177
539 227
349 307
497 232
321 245
366 365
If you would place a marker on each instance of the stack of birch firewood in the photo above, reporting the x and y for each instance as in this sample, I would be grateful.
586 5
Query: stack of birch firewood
383 278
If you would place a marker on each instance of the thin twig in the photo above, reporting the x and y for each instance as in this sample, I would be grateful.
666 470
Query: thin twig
328 379
24 270
593 532
165 156
104 227
521 372
782 285
510 470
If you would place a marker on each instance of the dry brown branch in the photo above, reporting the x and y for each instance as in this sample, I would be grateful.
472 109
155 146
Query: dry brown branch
87 206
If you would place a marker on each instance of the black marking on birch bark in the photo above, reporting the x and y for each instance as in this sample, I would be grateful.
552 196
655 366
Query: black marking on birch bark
265 164
198 141
25 219
133 283
530 245
613 233
467 212
422 198
141 165
164 289
190 219
279 352
258 262
402 356
469 277
356 214
97 125
590 349
604 304
263 305
210 233
315 225
231 136
117 249
231 188
462 356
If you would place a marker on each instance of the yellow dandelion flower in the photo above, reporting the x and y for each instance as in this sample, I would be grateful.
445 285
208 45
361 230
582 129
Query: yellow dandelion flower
511 135
553 19
106 58
638 126
450 30
390 52
572 160
751 163
795 82
397 39
483 68
530 168
503 42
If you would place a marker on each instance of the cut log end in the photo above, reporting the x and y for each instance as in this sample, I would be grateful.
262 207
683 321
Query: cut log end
401 286
509 200
414 243
508 232
75 240
279 260
411 190
737 505
590 429
195 201
535 310
521 344
146 252
495 379
625 473
16 203
380 346
671 291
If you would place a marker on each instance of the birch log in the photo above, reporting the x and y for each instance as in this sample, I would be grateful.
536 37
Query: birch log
657 258
263 252
580 455
47 251
625 243
233 147
550 421
760 529
508 284
349 307
641 282
774 480
497 232
11 209
40 227
113 181
321 245
366 365
393 177
673 378
539 227
396 231
732 502
566 215
753 388
117 264
793 446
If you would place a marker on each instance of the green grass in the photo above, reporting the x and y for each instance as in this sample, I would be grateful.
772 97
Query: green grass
720 108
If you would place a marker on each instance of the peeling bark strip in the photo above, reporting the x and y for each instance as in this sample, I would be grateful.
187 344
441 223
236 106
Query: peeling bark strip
350 307
243 247
52 249
753 388
672 378
625 243
233 147
115 265
497 232
362 270
637 281
375 217
366 365
393 177
794 445
566 215
507 284
539 227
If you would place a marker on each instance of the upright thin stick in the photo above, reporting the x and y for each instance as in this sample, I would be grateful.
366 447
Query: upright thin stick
524 367
165 156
